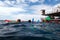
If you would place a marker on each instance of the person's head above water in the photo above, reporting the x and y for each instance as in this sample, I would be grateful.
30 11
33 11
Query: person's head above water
18 20
29 20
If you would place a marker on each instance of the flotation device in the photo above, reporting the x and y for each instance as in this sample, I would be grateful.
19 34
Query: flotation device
7 21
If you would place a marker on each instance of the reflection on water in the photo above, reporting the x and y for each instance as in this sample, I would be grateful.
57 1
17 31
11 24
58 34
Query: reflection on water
30 31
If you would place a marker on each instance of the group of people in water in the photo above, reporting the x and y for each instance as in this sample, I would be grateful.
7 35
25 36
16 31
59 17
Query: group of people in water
18 20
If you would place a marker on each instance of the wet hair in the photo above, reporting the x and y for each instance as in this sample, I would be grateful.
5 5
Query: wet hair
29 21
18 20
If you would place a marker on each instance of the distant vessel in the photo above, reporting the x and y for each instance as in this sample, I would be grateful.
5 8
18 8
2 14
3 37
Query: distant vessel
53 16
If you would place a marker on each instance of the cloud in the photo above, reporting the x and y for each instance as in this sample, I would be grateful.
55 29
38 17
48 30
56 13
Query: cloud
27 17
41 1
14 3
8 13
9 10
34 1
56 0
57 7
5 3
49 9
18 10
2 4
24 17
38 8
18 3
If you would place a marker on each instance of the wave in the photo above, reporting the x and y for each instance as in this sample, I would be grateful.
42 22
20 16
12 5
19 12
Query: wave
32 30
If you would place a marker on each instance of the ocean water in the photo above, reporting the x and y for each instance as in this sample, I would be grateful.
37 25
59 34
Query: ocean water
29 31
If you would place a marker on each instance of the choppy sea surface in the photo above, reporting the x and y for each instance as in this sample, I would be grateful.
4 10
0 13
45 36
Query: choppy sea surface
29 31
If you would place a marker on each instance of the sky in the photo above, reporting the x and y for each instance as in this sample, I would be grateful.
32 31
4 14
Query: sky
27 9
